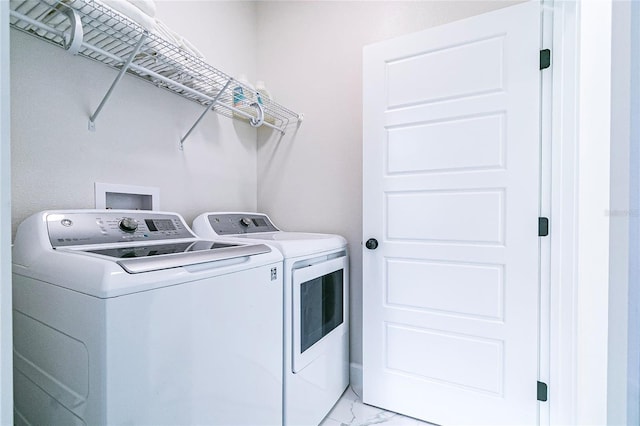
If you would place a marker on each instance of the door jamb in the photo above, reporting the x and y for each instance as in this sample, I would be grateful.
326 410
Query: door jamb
581 107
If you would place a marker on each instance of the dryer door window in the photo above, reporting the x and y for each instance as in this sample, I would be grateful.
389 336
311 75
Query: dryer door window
319 309
321 301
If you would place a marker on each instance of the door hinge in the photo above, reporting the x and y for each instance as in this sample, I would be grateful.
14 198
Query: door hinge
543 226
545 59
542 392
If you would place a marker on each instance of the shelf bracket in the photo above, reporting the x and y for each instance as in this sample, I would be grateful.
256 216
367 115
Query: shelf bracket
209 107
125 67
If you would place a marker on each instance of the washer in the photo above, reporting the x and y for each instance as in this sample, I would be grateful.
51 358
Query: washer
126 317
316 317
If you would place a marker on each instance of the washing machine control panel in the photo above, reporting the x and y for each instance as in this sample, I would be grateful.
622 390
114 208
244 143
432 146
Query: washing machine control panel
103 227
240 223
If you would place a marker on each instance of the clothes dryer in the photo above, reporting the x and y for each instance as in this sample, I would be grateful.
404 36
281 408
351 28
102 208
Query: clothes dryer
316 314
125 317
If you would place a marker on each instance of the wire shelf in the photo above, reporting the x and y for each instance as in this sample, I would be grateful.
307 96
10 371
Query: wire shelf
93 30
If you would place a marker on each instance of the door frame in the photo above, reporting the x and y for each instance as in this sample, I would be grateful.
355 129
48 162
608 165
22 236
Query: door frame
579 229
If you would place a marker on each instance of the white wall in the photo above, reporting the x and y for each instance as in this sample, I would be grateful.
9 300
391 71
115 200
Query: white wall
6 342
310 56
56 160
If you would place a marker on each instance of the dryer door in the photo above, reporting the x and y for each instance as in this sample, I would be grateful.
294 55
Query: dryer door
319 310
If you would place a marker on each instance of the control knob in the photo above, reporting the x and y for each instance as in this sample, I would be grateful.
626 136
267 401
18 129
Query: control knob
245 221
128 224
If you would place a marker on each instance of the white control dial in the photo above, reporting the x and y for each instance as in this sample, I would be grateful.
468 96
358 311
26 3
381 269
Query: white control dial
128 224
245 221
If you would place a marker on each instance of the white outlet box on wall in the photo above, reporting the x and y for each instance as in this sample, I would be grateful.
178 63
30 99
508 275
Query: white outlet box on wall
129 197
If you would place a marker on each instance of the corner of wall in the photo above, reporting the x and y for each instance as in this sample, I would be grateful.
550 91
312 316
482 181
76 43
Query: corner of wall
6 341
355 378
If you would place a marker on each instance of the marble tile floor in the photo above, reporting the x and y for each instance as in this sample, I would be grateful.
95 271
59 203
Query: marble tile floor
351 411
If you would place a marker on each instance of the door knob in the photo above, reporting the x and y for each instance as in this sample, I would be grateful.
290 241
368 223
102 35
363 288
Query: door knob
371 244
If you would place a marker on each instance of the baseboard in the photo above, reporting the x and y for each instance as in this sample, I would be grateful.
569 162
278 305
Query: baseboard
355 377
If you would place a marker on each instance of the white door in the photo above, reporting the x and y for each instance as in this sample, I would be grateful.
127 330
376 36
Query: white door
451 194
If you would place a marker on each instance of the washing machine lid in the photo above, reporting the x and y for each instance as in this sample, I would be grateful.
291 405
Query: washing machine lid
121 236
147 258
